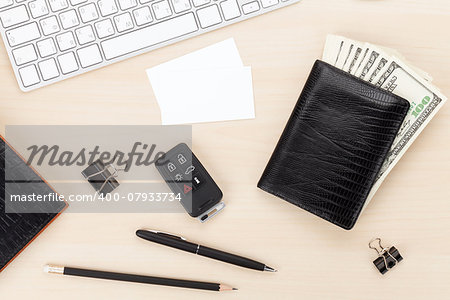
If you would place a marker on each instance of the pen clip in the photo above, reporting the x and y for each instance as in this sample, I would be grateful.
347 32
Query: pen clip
173 236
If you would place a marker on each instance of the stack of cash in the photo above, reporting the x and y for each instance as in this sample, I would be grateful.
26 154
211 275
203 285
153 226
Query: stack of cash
387 69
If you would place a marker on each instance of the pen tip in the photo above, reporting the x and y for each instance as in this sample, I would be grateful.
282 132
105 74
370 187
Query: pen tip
269 269
235 289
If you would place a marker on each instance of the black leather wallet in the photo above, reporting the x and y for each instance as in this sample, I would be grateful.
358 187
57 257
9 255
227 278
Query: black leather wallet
334 144
18 230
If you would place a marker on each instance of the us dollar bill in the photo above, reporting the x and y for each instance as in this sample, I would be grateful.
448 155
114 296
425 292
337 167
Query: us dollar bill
388 70
354 55
334 48
359 60
373 56
420 72
425 101
383 61
372 64
354 58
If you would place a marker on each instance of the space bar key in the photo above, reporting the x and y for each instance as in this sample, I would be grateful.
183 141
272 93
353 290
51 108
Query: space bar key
149 36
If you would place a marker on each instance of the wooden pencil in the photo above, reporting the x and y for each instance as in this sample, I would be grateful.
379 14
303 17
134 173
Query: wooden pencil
138 278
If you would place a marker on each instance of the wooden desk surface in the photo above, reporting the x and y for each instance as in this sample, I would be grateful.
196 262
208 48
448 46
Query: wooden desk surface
315 259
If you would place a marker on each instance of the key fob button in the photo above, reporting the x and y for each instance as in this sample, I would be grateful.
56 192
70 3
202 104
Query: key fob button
197 181
187 189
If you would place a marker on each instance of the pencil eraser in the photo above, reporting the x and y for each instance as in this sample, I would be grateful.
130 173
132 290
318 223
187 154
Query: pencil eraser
46 268
53 269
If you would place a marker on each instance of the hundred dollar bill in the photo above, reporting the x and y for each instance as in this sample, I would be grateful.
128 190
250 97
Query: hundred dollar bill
336 48
355 53
379 66
425 101
347 48
387 69
393 52
372 63
358 62
333 48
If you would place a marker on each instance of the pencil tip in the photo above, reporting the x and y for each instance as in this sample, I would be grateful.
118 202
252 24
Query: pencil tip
224 287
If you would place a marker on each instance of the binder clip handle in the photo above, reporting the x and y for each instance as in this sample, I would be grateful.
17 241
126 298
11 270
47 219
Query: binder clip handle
382 249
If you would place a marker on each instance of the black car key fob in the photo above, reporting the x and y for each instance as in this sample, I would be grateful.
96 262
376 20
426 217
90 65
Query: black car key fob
186 176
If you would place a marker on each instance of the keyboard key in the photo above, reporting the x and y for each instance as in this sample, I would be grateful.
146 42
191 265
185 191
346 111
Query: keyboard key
66 41
38 8
68 63
57 5
123 22
85 35
24 54
161 9
49 25
88 12
48 69
29 75
269 3
142 15
198 3
23 34
76 2
230 9
250 7
69 19
5 3
89 56
181 5
46 47
209 16
126 4
104 28
107 7
145 1
14 16
149 36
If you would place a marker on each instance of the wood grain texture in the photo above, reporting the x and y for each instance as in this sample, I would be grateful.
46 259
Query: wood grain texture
316 260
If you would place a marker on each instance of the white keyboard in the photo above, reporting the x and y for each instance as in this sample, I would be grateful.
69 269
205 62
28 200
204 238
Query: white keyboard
51 40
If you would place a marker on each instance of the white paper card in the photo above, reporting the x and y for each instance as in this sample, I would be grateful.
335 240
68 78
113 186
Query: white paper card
209 95
208 85
220 55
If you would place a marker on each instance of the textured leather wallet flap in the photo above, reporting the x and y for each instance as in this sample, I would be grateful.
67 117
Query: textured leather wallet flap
333 145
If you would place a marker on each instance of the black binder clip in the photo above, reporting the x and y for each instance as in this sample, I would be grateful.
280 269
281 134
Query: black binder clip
387 257
101 177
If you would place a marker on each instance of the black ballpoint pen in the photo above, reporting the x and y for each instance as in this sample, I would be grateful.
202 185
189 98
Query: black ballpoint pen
181 243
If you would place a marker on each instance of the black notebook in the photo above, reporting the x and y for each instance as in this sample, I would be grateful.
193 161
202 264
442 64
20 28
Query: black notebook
334 144
17 230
